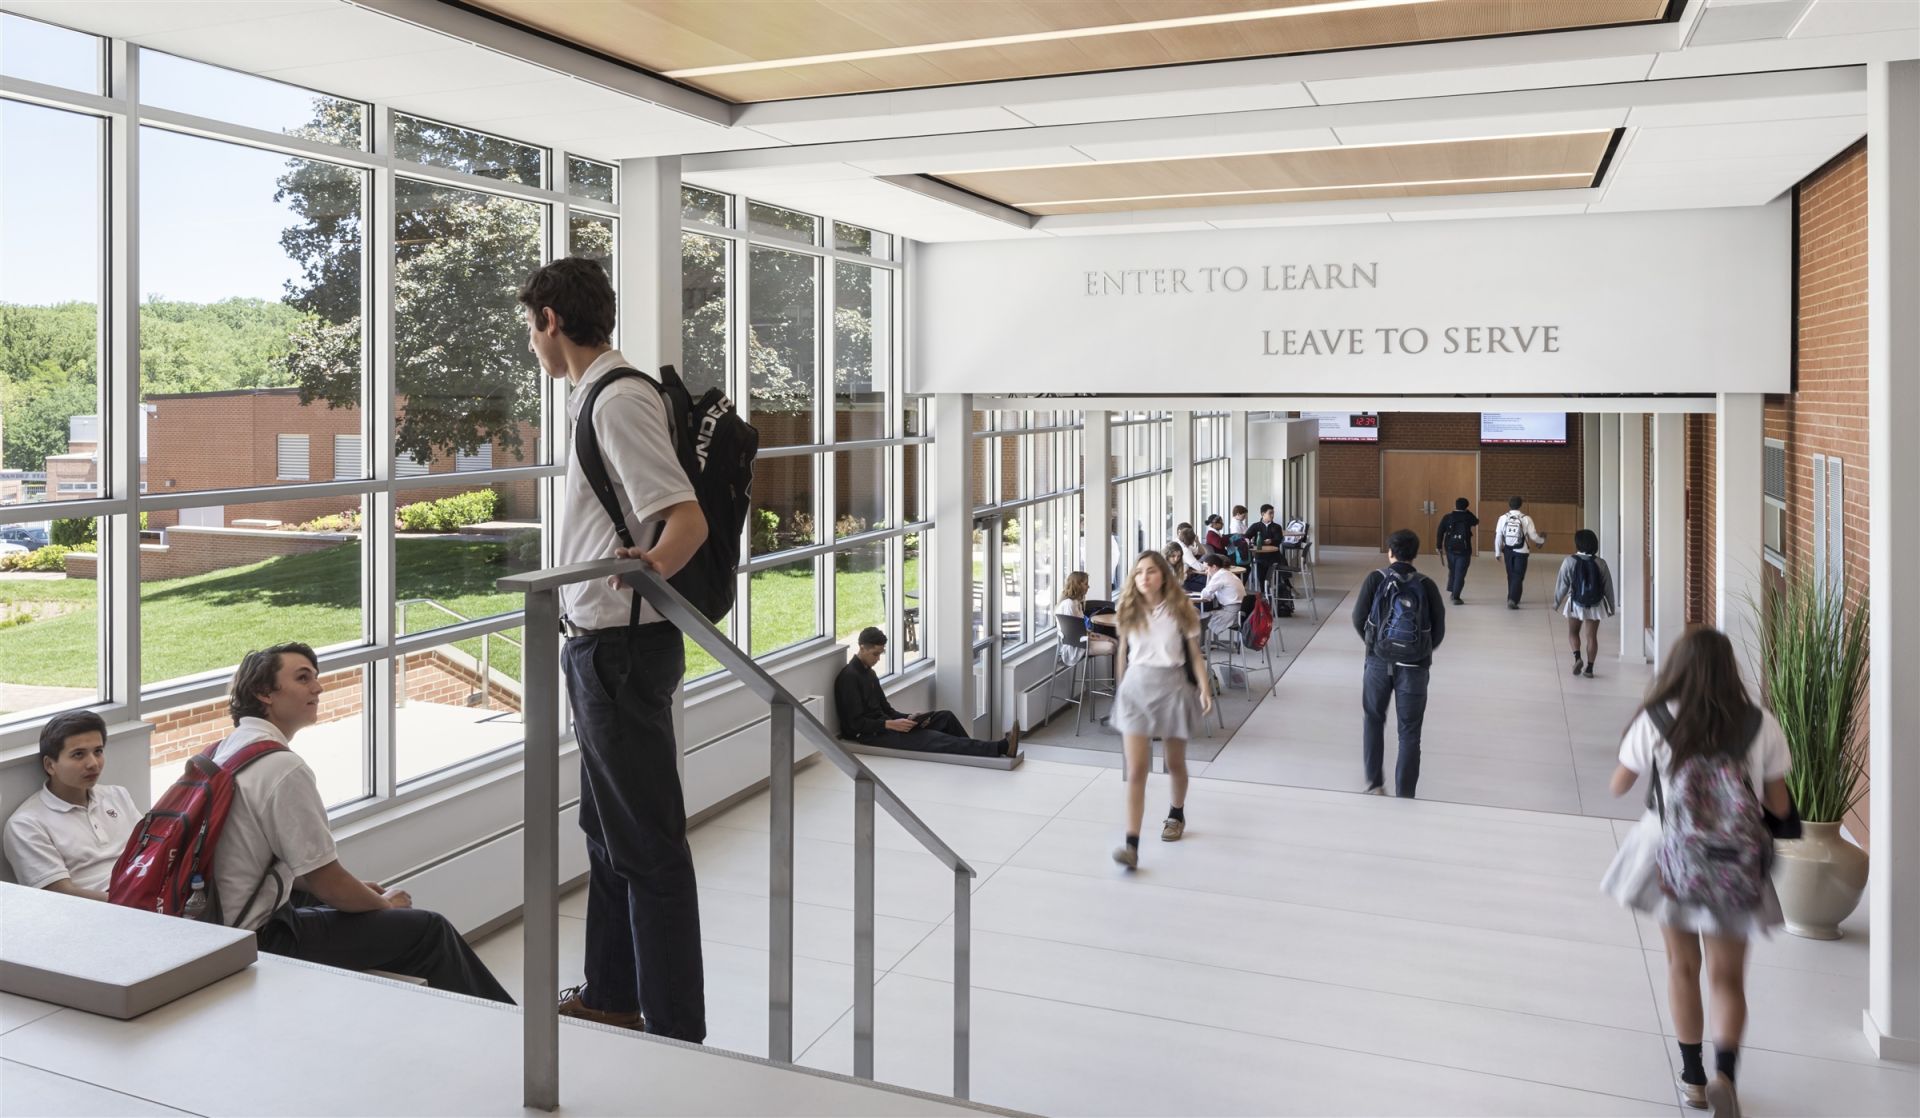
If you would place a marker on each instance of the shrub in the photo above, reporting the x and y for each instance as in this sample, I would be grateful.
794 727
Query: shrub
849 525
76 530
766 526
348 521
522 552
52 557
450 513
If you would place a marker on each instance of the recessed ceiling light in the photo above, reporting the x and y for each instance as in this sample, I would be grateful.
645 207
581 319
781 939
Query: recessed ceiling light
1330 6
1297 189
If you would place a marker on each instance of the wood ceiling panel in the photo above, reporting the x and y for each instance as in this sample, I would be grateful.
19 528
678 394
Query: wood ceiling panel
670 36
1400 170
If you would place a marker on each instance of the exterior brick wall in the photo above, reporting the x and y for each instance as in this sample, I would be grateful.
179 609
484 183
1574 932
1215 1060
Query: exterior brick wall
432 677
193 550
1701 522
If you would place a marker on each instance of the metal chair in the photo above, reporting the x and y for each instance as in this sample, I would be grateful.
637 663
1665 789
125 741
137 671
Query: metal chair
1068 652
1294 562
1085 683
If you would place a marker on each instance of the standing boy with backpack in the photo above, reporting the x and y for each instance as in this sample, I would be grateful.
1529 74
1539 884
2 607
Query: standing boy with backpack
1399 615
1454 541
623 665
1512 537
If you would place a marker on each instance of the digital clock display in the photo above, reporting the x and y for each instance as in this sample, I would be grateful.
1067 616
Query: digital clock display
1366 419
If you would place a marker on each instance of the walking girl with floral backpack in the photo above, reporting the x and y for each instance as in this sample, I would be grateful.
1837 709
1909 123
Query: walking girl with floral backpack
1698 861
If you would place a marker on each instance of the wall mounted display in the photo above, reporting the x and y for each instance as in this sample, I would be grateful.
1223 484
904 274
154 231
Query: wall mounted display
1346 427
1524 428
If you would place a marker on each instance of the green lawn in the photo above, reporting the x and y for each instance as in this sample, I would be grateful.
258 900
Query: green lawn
197 624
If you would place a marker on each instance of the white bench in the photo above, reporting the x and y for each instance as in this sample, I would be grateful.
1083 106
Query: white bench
1011 761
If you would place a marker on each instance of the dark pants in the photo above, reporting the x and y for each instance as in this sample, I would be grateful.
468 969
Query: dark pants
1457 564
1516 574
643 910
409 941
1407 687
943 733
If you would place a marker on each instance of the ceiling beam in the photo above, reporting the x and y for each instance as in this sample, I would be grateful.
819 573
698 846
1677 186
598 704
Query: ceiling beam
1314 212
954 196
1311 125
1625 404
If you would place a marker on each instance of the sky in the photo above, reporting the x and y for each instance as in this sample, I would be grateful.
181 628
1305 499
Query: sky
209 227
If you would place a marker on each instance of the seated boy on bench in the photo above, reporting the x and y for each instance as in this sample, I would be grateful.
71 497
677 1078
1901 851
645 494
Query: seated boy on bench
867 717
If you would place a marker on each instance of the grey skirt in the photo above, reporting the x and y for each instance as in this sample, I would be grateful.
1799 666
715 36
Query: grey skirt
1157 703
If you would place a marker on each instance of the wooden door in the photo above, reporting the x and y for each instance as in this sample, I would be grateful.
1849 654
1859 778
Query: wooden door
1418 487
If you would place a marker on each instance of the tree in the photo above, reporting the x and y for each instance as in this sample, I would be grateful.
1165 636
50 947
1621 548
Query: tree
461 367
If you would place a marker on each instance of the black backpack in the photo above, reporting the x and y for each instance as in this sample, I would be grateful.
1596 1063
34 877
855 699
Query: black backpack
1397 624
716 449
1588 589
1459 538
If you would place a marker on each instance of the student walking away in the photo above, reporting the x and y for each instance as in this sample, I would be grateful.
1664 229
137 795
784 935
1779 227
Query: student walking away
867 717
1513 538
1583 593
1162 691
1454 541
623 664
1400 617
1698 860
277 873
67 835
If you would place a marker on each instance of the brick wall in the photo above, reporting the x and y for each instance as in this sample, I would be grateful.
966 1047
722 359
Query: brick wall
194 550
1701 530
432 677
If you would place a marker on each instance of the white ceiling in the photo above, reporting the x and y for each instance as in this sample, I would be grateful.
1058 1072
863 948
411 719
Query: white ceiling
1728 106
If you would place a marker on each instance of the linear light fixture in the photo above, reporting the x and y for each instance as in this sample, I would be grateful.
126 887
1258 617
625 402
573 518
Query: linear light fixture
1330 6
1278 151
1298 189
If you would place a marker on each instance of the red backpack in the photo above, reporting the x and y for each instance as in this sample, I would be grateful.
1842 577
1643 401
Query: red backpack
178 838
1258 629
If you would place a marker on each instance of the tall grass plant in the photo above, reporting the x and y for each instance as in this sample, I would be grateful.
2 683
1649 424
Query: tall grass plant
1815 652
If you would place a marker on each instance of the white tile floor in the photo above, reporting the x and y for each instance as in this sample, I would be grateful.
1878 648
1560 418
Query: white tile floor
1306 950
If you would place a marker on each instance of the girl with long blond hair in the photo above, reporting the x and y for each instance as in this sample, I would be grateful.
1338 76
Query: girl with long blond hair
1162 690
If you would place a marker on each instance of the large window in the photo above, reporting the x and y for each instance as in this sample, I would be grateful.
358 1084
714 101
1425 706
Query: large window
1027 481
1212 467
805 334
1142 502
271 467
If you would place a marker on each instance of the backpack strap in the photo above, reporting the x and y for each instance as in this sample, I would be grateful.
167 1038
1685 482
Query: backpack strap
1662 719
593 466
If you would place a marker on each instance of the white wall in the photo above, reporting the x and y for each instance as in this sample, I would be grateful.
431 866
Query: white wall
1693 301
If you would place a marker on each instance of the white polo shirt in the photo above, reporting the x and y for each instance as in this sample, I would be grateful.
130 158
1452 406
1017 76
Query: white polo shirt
49 839
630 420
276 829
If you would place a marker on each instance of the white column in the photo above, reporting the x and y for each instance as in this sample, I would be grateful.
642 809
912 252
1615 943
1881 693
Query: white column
1590 472
1096 503
1739 440
1237 472
1669 530
649 261
1893 452
1630 576
947 588
1180 450
1607 524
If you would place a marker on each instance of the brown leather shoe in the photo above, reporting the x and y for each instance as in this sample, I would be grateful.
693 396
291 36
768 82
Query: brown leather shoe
571 1005
1013 742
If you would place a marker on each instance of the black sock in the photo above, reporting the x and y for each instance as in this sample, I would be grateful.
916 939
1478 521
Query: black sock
1691 1069
1133 841
1179 813
1725 1059
1577 657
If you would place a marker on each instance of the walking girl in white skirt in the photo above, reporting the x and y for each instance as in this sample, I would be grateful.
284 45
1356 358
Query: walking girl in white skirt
1162 690
1584 595
1698 861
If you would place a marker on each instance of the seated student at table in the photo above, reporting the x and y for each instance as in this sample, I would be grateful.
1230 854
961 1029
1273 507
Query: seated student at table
1178 558
67 836
1074 604
1237 523
1220 600
867 717
1216 539
278 873
1264 532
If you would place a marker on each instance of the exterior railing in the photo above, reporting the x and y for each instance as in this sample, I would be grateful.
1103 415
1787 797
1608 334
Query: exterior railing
486 647
542 690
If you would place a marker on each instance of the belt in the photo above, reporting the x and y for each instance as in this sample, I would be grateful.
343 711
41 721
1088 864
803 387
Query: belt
575 632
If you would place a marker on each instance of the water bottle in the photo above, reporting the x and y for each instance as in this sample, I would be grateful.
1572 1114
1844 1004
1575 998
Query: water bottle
196 906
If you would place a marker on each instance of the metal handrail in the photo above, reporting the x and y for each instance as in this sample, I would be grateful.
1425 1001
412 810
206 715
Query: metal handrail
540 663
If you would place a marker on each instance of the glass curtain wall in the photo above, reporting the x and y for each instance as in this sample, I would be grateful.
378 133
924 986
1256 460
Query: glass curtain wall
797 317
1027 480
209 447
1212 467
1142 485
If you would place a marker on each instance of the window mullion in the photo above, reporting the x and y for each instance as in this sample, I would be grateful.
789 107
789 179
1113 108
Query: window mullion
120 652
386 677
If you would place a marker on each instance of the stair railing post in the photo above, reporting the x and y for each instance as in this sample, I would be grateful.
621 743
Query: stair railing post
780 886
540 1012
962 982
863 963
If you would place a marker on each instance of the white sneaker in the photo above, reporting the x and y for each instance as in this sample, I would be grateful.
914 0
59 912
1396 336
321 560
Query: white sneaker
1127 855
1377 790
1693 1094
1722 1100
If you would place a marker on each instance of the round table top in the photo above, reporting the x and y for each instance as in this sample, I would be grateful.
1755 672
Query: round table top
1104 618
1267 548
1238 570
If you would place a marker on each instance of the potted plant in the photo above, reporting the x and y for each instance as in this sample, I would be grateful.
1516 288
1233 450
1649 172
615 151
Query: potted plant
1815 654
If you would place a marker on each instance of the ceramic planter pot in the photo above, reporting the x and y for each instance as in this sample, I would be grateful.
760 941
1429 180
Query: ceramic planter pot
1819 878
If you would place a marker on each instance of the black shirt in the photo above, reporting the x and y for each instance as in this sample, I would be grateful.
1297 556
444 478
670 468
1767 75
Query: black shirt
861 704
1446 528
1436 612
1262 534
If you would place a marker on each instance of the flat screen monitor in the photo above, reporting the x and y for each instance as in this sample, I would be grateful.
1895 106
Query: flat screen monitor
1346 427
1525 428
